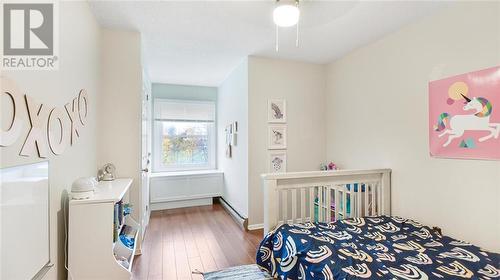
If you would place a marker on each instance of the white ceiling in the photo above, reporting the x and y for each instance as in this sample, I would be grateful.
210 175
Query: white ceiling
201 42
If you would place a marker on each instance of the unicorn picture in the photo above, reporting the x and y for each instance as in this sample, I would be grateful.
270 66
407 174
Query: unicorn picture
464 115
478 119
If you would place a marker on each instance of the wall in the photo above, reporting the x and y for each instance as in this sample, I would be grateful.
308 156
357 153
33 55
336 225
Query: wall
377 102
119 127
303 87
79 34
232 104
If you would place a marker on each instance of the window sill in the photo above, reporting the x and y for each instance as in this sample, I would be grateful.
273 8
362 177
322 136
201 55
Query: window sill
186 173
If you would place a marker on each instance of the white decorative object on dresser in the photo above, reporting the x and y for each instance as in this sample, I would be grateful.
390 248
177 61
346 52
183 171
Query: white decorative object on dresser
98 229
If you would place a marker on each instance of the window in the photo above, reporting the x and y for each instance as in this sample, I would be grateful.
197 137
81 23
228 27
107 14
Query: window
184 135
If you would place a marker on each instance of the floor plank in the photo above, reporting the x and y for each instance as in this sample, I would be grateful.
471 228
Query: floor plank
206 257
180 251
156 253
180 241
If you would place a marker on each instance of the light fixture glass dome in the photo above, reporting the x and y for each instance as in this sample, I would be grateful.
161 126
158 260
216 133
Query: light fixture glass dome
286 15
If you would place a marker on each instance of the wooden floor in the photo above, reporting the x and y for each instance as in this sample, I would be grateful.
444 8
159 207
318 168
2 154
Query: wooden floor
180 241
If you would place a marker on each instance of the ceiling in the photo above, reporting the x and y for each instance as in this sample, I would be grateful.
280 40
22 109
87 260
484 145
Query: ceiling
201 42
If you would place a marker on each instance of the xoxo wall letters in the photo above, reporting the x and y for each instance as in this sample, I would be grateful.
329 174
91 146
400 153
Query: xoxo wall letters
51 128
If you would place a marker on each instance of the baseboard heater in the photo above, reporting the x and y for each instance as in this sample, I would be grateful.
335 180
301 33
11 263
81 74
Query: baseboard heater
240 220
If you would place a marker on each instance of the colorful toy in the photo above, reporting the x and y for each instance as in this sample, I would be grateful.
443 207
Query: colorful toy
332 166
329 166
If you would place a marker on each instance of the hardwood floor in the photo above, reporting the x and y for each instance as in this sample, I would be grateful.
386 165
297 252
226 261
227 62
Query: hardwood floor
179 241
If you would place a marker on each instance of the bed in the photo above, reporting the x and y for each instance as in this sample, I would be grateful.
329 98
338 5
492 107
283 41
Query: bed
338 225
381 247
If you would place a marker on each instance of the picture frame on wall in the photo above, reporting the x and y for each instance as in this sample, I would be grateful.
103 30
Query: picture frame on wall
229 151
464 122
276 111
277 137
277 162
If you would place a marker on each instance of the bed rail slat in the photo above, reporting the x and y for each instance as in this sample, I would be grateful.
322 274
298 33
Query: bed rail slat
344 203
284 206
370 199
359 203
379 199
320 203
365 198
337 204
328 204
311 204
303 205
352 202
294 205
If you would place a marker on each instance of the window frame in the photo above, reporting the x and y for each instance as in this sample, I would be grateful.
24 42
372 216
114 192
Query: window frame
157 165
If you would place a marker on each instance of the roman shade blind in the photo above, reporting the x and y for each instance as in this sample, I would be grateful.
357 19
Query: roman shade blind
200 111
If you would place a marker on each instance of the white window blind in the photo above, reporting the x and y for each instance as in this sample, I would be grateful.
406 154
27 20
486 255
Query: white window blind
184 110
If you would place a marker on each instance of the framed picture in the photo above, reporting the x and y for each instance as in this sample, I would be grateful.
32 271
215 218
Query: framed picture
277 162
277 137
276 111
229 151
464 116
228 136
234 138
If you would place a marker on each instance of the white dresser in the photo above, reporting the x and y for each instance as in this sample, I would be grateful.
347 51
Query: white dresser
92 251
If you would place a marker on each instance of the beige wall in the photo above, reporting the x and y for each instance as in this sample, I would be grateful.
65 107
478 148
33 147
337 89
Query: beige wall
119 128
377 106
232 105
78 69
303 87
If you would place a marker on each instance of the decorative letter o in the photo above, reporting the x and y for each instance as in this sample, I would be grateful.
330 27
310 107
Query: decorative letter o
57 121
83 106
13 133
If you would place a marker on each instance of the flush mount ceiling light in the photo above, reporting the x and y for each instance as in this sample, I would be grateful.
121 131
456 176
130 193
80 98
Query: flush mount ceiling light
286 14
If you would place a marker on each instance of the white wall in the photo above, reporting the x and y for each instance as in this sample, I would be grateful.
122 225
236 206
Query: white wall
377 112
119 128
232 105
303 87
78 69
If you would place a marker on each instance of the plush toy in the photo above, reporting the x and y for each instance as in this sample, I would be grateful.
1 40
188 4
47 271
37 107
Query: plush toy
332 166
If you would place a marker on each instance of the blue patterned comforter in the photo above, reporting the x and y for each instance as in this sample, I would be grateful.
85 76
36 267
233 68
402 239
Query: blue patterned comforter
373 247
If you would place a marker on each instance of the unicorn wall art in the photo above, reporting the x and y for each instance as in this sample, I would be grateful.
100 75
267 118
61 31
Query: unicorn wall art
464 115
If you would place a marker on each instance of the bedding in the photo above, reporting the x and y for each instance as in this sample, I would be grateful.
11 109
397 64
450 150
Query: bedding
373 247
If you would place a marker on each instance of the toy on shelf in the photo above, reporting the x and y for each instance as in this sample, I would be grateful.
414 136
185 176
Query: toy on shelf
332 166
329 166
127 209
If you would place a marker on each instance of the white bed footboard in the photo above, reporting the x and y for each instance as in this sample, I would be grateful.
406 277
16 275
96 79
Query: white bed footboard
324 196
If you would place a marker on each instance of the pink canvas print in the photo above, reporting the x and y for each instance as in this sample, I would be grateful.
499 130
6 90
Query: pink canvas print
464 116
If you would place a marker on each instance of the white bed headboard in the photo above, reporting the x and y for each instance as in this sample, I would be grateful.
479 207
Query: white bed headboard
325 196
24 221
